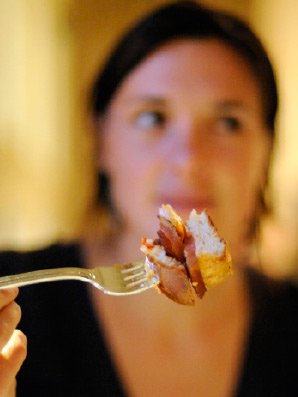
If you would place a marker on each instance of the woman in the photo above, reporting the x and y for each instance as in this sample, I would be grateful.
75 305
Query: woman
184 110
12 342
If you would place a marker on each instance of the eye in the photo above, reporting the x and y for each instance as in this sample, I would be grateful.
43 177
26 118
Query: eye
230 124
150 119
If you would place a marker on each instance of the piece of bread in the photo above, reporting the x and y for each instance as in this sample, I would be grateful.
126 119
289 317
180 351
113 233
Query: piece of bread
188 257
212 257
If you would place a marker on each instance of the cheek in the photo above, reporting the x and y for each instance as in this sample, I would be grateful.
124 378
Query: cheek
245 181
133 172
246 169
238 180
128 174
130 165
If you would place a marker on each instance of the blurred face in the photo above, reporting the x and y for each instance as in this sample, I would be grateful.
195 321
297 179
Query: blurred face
186 128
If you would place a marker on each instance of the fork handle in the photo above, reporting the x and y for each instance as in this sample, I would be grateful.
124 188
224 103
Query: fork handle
45 275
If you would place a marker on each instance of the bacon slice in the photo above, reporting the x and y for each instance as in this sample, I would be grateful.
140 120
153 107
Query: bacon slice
174 279
193 266
174 283
171 240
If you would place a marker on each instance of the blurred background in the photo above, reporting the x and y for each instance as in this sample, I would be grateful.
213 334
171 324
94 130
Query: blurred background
50 51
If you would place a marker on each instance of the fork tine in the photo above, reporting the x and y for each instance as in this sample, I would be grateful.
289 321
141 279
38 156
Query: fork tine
133 266
135 275
137 283
129 276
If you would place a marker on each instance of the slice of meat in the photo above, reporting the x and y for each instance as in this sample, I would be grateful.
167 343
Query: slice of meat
171 240
174 281
193 266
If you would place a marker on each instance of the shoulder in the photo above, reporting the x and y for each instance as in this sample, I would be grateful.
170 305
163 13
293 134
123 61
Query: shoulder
275 319
267 292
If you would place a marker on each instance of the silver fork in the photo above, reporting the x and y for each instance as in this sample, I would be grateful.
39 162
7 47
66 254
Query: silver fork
125 279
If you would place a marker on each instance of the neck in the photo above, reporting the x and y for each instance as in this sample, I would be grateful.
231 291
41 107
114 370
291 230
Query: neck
122 248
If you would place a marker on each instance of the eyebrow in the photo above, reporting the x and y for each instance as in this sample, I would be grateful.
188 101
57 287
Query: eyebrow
147 99
230 104
222 105
234 105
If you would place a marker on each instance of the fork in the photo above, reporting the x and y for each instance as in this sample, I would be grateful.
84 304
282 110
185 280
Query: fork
124 279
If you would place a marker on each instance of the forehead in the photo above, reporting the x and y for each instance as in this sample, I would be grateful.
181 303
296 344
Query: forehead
192 66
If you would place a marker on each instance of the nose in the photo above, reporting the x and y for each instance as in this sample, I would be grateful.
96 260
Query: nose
187 148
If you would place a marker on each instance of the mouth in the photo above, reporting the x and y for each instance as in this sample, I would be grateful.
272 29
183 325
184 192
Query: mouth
185 203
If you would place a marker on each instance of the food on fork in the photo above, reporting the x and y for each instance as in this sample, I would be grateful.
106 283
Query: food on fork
188 257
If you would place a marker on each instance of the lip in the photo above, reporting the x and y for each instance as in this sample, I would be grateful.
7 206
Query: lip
185 203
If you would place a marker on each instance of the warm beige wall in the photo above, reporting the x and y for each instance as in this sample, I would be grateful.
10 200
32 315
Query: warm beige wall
36 155
276 21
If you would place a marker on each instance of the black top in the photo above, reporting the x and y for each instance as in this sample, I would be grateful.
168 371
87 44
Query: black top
67 355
